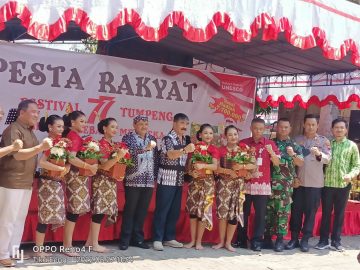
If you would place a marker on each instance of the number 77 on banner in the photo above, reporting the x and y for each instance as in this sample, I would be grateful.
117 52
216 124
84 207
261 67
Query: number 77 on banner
101 109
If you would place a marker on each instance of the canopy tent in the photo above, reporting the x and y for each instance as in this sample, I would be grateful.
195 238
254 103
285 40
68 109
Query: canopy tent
254 37
258 38
341 89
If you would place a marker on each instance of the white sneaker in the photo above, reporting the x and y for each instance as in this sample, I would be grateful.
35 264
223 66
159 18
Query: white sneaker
173 243
158 246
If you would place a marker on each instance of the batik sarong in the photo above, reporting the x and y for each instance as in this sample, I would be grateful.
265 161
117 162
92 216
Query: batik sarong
200 199
104 197
230 198
77 193
51 202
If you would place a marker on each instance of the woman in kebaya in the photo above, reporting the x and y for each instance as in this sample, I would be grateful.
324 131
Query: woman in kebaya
51 201
77 186
229 190
104 185
202 187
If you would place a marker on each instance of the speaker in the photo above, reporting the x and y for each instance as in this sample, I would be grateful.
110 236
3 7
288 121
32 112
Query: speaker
354 126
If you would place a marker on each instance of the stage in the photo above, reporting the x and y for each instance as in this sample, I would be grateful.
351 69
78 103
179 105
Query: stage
351 223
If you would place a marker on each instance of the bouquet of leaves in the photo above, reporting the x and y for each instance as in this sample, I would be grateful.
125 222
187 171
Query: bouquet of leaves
201 153
127 160
59 149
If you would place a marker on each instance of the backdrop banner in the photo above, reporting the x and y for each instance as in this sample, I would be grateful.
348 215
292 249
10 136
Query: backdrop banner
104 86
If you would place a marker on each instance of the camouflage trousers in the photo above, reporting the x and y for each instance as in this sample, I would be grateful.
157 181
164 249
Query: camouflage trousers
278 210
277 217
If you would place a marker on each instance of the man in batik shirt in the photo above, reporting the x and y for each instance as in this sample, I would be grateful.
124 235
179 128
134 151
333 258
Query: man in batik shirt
282 177
173 156
139 183
343 167
258 188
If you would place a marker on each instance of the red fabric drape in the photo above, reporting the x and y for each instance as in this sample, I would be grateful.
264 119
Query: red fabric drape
351 224
314 100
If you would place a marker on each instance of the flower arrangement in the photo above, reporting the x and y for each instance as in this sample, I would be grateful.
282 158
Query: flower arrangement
201 153
58 154
90 150
127 160
90 153
243 154
117 171
59 149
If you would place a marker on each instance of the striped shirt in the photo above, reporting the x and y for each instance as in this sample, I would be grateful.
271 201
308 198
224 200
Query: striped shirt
345 161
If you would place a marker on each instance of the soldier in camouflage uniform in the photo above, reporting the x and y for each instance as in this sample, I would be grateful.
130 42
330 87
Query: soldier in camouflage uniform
282 177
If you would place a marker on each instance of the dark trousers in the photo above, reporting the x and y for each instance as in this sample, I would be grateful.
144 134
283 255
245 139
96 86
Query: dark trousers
167 211
333 198
137 201
259 202
306 202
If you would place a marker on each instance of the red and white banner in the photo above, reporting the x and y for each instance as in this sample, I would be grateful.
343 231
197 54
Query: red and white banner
345 89
332 25
104 86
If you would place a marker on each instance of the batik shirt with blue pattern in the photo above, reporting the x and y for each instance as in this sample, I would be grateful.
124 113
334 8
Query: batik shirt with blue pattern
145 169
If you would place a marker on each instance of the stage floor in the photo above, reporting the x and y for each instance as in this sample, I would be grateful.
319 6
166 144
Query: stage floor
351 223
207 259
